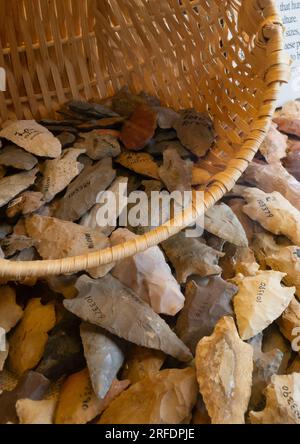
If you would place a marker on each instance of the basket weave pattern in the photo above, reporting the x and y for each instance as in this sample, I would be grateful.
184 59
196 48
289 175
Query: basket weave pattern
220 56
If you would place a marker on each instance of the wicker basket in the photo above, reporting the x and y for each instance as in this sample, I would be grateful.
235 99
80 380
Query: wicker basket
223 56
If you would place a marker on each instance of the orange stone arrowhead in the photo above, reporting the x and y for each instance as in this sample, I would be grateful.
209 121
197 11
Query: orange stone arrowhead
28 341
139 130
78 403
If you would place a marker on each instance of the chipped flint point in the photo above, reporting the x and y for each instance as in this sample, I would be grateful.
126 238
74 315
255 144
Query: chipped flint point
224 365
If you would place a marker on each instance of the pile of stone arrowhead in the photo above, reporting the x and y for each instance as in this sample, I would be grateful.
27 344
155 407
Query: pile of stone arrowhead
197 330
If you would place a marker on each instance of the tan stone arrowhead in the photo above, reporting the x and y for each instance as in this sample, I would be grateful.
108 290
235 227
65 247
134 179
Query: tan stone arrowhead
287 260
142 362
200 176
260 300
34 138
274 146
224 372
280 258
274 177
244 262
166 397
290 109
140 163
36 412
25 204
283 401
29 339
275 213
288 125
57 239
176 173
221 221
78 404
191 256
58 173
289 324
13 244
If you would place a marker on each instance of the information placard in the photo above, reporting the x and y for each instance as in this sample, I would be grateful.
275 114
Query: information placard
290 13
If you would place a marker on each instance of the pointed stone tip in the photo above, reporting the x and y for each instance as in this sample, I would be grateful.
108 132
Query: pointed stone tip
101 392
